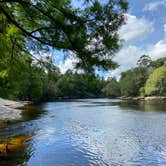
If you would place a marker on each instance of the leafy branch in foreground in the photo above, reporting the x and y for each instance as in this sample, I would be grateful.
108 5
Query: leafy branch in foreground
90 32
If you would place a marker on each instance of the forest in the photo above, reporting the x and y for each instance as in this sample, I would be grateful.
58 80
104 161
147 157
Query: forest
147 79
88 33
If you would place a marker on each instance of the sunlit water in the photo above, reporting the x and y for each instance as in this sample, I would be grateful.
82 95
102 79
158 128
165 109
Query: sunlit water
93 132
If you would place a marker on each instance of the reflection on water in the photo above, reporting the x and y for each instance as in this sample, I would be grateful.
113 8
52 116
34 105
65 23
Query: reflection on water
87 132
14 150
141 106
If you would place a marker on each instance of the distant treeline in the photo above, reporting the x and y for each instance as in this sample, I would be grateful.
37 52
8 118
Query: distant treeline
31 82
147 79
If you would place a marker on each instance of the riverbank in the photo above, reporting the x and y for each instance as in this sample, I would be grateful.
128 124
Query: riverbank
10 110
149 98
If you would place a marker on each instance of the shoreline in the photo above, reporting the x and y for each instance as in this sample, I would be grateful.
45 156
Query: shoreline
148 98
10 110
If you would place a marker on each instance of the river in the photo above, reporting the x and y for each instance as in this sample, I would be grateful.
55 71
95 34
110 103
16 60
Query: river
91 132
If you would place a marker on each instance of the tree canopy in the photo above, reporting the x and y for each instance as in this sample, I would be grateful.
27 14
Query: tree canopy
156 84
89 32
112 88
144 60
132 80
158 63
149 78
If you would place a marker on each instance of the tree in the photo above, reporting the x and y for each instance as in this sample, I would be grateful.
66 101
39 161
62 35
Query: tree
73 85
112 88
144 61
132 80
156 83
158 63
28 27
90 32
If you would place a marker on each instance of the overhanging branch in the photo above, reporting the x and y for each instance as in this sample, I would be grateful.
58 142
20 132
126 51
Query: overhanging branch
59 46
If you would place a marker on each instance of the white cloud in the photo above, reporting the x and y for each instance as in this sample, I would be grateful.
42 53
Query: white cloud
67 64
154 5
128 56
135 29
158 50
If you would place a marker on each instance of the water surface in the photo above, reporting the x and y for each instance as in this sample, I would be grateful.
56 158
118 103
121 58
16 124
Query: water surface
92 132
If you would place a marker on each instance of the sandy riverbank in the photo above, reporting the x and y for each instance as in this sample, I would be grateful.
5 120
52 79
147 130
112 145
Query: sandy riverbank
9 110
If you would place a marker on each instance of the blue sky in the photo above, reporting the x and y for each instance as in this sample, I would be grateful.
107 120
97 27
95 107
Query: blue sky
144 33
157 15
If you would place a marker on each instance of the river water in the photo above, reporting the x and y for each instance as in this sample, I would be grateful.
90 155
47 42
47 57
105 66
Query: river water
91 132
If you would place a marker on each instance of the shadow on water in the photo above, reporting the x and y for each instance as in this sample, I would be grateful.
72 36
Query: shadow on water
141 106
128 105
29 112
32 112
16 137
15 150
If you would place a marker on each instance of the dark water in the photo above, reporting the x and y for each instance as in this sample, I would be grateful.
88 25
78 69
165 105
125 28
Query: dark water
97 132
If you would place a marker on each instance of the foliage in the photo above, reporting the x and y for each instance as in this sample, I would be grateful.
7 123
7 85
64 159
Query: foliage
158 63
144 61
147 79
112 88
89 32
156 84
133 80
78 86
28 28
28 81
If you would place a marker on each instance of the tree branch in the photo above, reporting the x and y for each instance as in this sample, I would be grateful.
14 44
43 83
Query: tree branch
39 29
60 46
12 51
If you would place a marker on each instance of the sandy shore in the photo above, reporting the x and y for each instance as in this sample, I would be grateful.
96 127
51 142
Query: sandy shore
9 110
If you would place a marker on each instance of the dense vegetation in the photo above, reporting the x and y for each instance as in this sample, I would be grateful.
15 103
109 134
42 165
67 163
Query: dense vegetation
89 33
30 82
156 83
149 78
132 80
112 88
29 29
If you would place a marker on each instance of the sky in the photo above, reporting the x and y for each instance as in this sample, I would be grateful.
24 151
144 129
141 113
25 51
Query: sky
143 33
